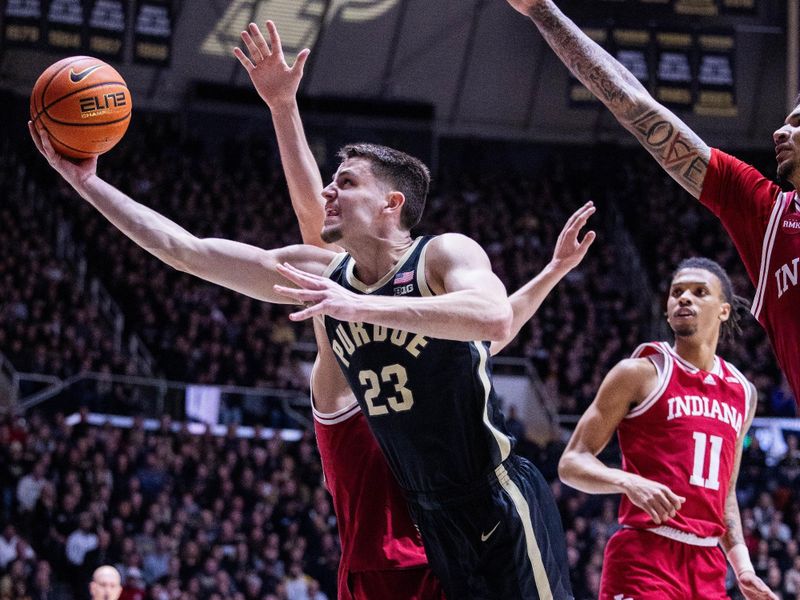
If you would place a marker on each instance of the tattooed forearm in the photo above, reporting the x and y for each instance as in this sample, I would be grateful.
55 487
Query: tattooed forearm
594 67
677 149
733 523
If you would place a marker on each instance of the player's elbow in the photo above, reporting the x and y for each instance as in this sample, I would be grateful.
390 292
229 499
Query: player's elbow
566 468
499 325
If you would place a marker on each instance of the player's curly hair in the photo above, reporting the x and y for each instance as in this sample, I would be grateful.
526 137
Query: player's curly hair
740 306
402 171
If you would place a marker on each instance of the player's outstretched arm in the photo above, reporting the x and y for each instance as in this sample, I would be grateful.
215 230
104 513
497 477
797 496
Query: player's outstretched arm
469 301
240 267
627 383
732 541
568 254
672 143
277 84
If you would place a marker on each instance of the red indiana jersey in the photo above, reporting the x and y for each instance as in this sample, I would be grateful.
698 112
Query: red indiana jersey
764 224
375 529
684 435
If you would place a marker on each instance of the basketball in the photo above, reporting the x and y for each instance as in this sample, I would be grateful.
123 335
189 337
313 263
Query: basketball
83 104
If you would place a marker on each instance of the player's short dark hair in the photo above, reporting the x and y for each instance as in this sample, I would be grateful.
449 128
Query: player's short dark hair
401 171
739 306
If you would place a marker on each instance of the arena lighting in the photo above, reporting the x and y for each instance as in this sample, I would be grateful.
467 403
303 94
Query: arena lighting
299 21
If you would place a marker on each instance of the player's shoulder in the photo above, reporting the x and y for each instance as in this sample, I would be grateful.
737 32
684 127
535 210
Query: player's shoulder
454 246
634 377
634 368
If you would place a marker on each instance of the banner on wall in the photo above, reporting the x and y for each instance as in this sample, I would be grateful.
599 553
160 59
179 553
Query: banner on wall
152 33
106 29
22 23
716 82
674 79
64 26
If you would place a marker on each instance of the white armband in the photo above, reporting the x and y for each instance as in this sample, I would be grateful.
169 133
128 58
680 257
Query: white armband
739 557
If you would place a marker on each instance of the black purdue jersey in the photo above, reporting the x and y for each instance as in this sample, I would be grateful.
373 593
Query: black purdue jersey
430 402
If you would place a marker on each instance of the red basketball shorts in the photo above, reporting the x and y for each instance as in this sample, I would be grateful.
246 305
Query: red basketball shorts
639 565
403 584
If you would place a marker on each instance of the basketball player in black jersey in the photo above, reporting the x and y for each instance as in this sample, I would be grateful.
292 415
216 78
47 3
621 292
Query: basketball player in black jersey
408 323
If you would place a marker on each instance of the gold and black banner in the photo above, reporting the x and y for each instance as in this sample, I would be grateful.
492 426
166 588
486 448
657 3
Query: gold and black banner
64 26
106 29
716 74
152 32
689 70
22 23
674 81
691 8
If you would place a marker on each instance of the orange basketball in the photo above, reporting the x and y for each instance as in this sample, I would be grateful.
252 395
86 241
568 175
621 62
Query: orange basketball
83 104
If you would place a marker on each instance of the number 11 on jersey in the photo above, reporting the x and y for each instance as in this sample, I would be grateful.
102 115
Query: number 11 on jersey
701 440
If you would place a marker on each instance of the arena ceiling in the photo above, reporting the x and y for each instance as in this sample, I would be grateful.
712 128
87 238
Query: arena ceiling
483 67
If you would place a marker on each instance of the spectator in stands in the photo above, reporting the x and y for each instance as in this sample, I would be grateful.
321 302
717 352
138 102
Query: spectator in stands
105 584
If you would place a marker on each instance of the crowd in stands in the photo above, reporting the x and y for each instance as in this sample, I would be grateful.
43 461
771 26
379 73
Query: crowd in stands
188 517
48 323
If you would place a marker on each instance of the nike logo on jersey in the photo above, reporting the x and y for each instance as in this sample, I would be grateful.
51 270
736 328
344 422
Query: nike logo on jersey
486 536
80 76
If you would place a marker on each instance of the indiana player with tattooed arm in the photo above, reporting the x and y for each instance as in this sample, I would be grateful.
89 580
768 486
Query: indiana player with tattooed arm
382 556
763 221
681 414
403 318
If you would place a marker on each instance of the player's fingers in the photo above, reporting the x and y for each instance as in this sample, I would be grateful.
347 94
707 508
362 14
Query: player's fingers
300 61
307 313
587 241
578 213
301 278
274 38
675 500
259 40
246 63
37 141
299 295
255 53
49 151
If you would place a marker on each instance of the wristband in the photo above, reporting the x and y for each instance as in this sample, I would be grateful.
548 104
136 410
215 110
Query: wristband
739 557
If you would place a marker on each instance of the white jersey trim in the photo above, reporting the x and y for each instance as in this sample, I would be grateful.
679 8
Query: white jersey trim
503 443
422 279
531 544
335 417
368 289
748 391
766 254
664 376
684 537
335 262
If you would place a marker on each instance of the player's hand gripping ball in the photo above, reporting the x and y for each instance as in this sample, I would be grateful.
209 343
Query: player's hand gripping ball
83 104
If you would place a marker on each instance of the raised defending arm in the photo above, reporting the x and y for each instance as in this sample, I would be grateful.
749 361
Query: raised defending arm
568 254
277 84
672 143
